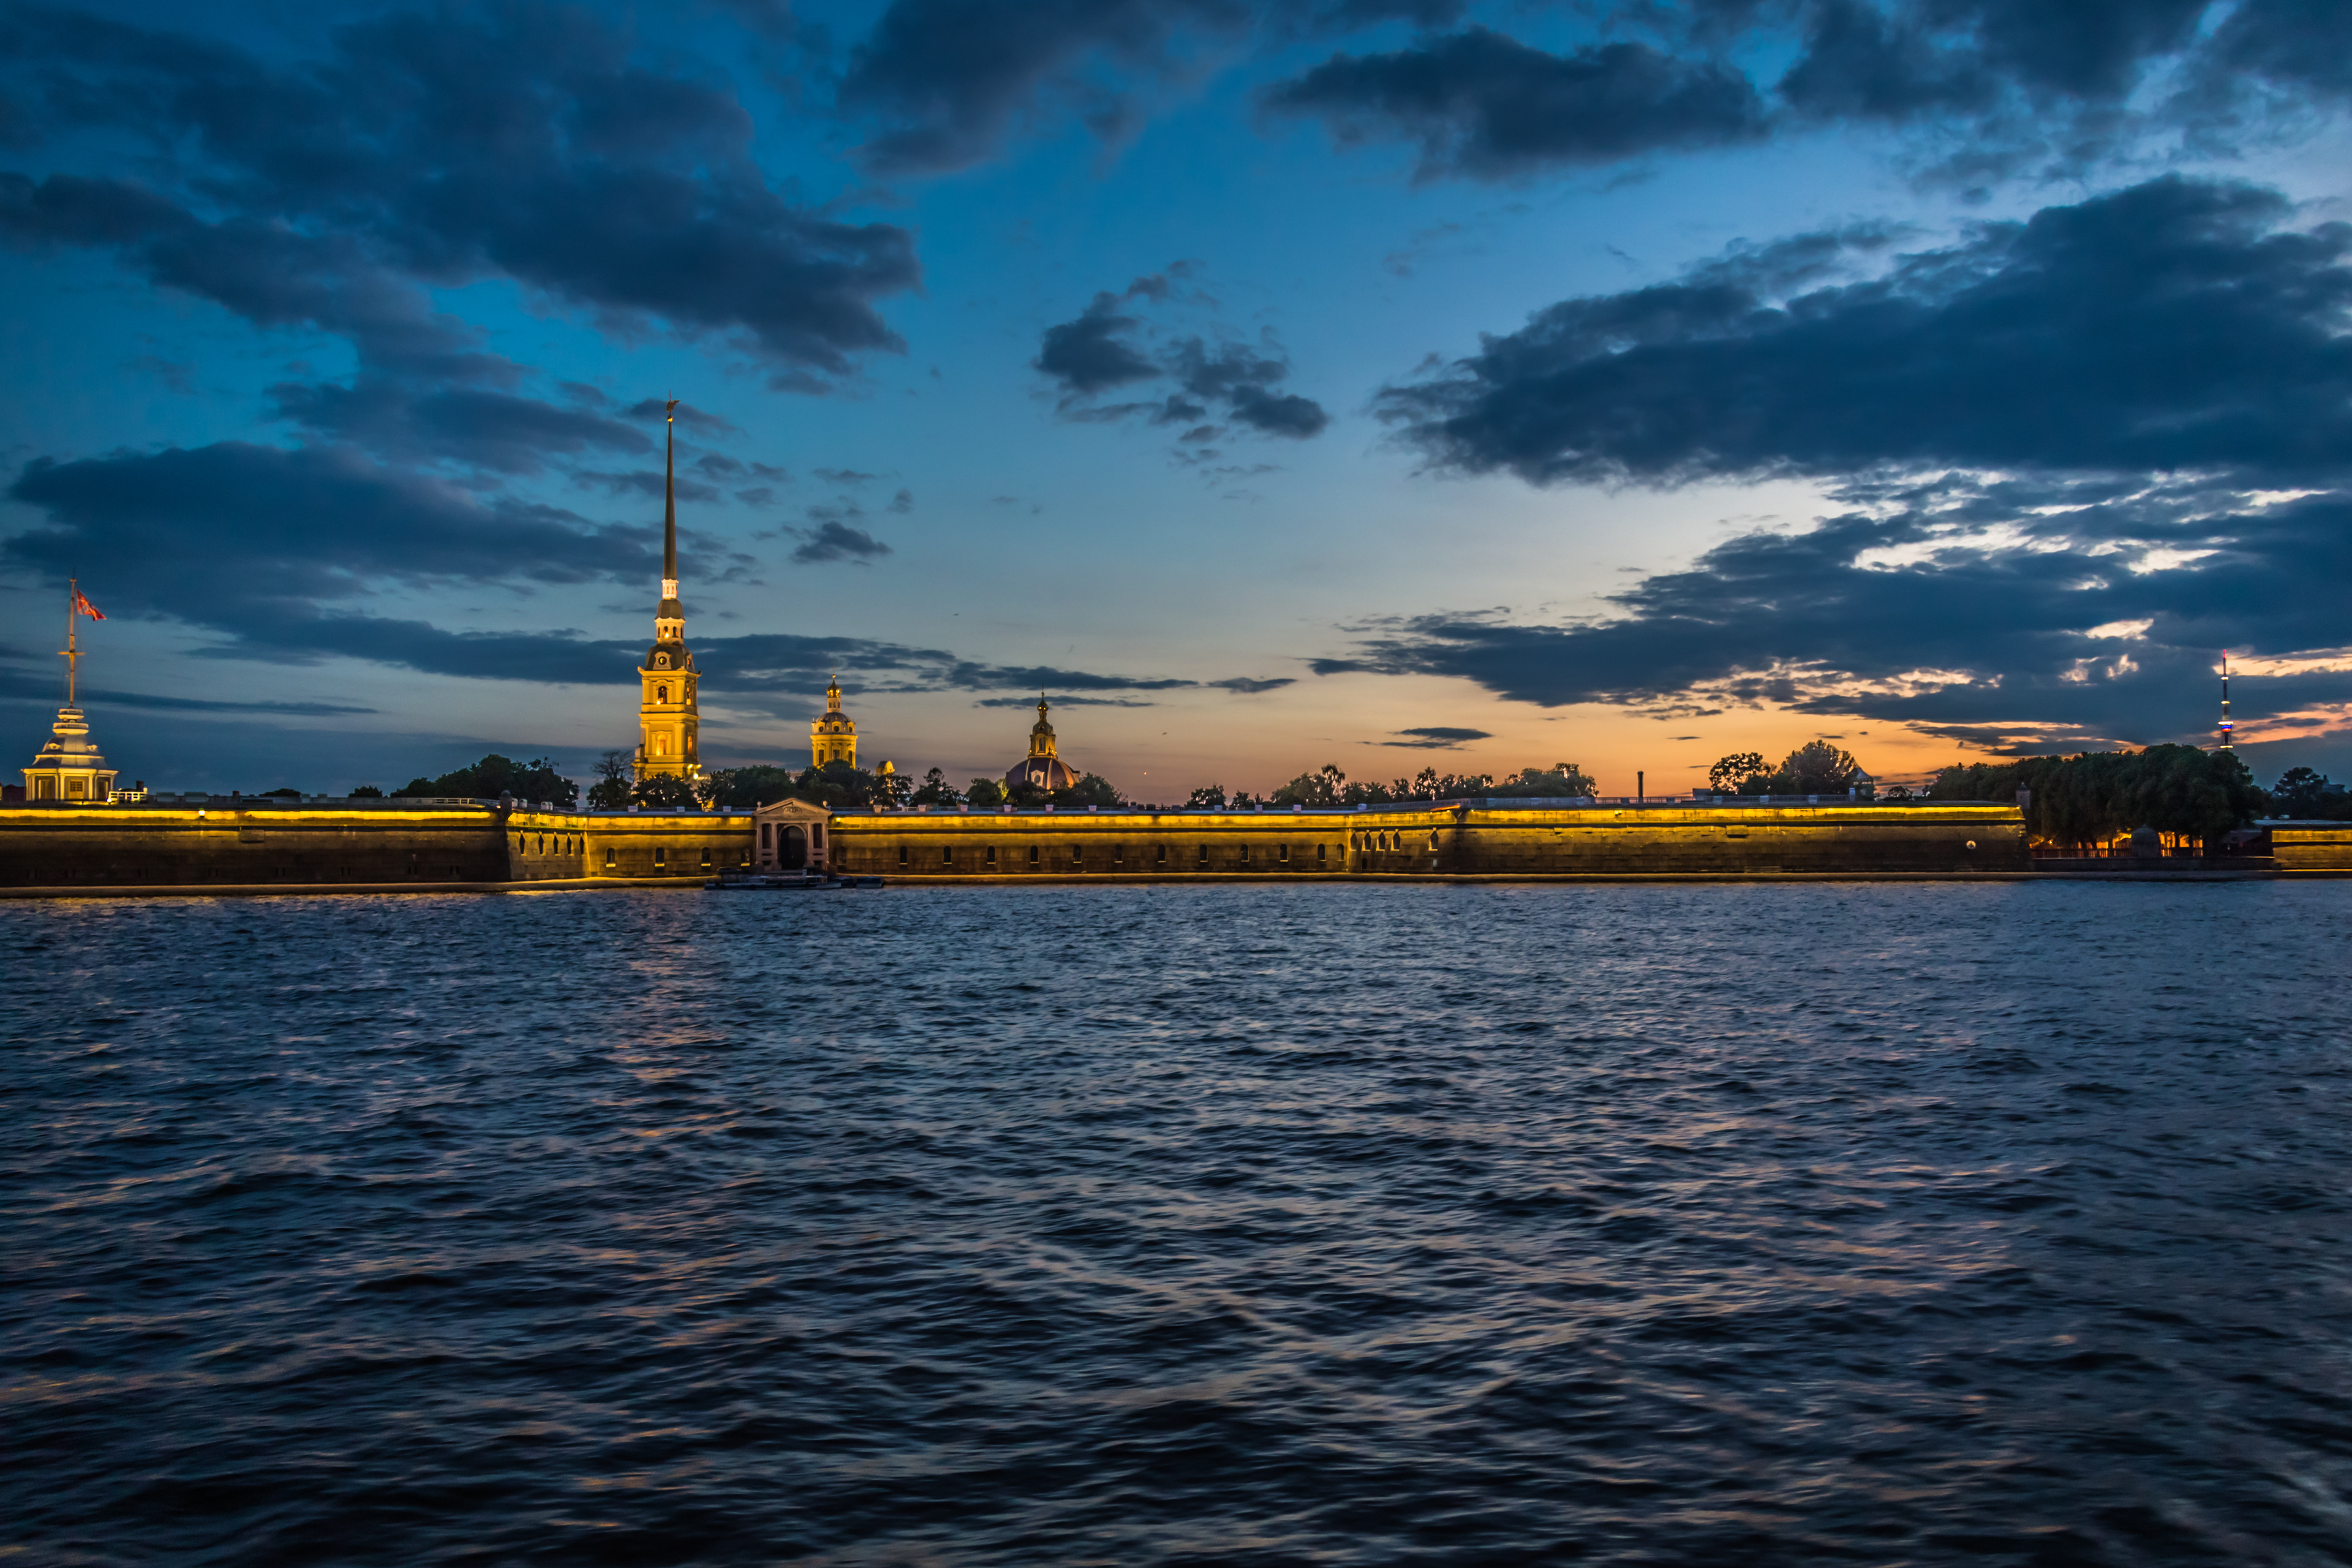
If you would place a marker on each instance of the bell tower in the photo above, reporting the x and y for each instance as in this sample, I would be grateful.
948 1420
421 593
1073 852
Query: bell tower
833 738
668 716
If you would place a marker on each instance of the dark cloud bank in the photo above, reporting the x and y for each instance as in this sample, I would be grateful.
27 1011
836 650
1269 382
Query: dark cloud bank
945 82
2082 454
227 539
432 149
2003 83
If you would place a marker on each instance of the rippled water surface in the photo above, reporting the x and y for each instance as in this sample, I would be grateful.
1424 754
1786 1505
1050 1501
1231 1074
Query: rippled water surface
1999 1224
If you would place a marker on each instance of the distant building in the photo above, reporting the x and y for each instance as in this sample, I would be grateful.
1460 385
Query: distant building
1041 769
669 718
69 767
833 738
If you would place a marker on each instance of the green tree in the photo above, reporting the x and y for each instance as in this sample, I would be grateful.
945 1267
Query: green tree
743 788
1560 780
1731 775
936 791
985 794
1208 797
665 790
1324 787
2307 796
1815 768
365 791
495 775
611 791
1092 789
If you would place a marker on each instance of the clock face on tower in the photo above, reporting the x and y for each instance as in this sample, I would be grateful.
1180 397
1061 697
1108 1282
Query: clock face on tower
661 661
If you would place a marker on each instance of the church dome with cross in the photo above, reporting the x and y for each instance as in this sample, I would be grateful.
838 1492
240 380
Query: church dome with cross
1041 769
832 737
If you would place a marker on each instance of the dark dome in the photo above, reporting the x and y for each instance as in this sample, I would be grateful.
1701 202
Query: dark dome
1048 773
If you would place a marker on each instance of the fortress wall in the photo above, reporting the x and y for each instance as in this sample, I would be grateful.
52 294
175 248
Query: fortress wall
2327 848
1440 840
635 846
162 844
964 846
327 844
1650 840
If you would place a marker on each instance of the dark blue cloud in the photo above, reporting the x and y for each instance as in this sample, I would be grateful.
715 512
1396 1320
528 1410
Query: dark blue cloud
2099 622
474 426
432 148
1437 737
836 541
2175 325
1101 349
250 541
946 81
1483 105
2085 453
1092 353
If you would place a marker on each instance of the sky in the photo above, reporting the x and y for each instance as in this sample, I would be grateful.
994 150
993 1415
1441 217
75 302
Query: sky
1395 384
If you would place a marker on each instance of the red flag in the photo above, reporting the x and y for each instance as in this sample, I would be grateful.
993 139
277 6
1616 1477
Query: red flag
82 604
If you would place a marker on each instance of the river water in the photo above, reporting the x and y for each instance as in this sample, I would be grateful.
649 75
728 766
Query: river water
1820 1224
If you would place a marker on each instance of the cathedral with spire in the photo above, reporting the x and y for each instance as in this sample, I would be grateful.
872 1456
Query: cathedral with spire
833 737
668 718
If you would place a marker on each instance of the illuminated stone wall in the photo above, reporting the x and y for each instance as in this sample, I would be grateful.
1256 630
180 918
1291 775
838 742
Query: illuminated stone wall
249 842
2321 848
1448 841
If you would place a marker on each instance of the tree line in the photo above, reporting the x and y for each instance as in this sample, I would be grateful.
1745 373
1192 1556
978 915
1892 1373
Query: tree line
2093 797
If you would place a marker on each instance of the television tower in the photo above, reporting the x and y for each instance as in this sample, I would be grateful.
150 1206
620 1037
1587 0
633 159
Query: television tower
2226 749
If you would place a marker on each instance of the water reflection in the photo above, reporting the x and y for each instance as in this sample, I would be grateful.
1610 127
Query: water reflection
1053 1224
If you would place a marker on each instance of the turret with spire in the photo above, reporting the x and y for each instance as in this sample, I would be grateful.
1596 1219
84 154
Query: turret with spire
668 714
69 767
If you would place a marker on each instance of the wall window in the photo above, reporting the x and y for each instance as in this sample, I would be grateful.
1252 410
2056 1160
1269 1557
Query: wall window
1204 856
1319 850
1077 857
1118 854
608 859
1284 855
1033 854
947 855
1433 838
902 854
522 844
765 828
661 694
1160 858
706 857
1244 854
543 843
816 835
661 859
992 855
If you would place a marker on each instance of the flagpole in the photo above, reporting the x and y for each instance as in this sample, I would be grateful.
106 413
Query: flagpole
73 646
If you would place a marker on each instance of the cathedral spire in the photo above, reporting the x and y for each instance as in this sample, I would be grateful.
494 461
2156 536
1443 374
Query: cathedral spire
669 501
669 715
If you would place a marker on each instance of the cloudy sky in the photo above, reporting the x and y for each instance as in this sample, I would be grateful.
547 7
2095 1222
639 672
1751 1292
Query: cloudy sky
1393 382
